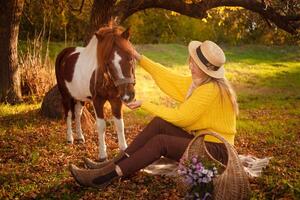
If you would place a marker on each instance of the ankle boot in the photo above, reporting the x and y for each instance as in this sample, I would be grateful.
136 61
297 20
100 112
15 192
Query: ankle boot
98 178
97 165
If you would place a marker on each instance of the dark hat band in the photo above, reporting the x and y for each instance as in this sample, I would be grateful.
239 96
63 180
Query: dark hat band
205 61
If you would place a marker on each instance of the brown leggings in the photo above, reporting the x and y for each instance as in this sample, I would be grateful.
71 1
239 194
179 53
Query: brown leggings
161 138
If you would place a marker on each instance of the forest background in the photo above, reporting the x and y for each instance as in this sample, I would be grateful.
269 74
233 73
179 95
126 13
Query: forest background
229 25
262 64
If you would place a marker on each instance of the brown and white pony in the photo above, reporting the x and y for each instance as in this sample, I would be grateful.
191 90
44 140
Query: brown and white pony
102 71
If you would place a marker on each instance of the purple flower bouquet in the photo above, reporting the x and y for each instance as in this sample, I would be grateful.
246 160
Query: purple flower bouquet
198 177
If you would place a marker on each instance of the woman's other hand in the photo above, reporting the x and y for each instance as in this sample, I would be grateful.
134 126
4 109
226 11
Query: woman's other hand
134 105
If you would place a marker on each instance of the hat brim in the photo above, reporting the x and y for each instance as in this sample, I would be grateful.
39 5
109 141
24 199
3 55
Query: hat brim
193 45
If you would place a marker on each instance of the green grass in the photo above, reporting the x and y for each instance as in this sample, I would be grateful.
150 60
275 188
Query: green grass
54 47
7 110
34 156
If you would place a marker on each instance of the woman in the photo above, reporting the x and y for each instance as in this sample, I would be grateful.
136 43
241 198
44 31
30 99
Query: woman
207 102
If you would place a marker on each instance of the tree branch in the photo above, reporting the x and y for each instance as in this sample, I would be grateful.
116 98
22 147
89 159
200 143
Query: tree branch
198 9
192 10
282 21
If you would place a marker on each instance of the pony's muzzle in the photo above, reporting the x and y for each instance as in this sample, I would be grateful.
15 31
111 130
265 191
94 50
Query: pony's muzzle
128 97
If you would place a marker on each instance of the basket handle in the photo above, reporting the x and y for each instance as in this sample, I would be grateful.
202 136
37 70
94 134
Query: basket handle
230 150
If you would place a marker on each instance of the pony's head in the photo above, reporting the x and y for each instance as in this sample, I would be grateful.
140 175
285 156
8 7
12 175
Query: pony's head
116 60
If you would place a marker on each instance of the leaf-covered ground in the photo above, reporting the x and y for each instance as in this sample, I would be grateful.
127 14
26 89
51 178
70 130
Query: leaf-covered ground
34 156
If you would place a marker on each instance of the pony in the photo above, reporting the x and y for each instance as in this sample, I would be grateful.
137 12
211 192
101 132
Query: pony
102 71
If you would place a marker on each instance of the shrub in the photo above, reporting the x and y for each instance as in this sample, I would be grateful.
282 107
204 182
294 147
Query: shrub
37 70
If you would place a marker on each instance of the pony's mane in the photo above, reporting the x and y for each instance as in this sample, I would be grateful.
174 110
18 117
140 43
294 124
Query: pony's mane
111 36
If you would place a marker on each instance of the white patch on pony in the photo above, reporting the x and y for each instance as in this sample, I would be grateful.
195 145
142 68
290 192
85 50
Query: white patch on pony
87 62
70 138
116 62
125 97
101 126
78 113
119 123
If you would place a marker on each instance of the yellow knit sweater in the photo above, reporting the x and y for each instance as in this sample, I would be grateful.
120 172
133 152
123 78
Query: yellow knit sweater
203 110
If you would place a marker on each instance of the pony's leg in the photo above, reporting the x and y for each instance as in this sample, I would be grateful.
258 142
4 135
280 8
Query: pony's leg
119 123
116 105
101 126
98 103
78 112
70 138
68 104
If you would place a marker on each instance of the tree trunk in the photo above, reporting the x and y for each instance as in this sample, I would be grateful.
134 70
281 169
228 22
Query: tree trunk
10 83
102 11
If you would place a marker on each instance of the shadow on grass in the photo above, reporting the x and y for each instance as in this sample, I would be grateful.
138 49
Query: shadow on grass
23 119
253 54
283 84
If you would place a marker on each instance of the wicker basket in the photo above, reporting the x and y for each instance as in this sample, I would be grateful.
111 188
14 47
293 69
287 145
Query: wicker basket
232 183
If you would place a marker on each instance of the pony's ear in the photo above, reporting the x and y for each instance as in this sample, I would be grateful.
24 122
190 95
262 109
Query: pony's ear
126 34
99 36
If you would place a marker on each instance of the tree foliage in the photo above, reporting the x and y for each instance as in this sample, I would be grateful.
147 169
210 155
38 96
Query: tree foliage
63 20
223 25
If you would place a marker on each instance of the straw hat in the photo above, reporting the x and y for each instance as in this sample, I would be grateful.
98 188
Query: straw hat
209 57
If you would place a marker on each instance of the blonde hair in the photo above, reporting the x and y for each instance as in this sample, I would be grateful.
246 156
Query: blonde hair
225 88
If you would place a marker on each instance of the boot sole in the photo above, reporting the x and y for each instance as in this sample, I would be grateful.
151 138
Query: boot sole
102 186
90 165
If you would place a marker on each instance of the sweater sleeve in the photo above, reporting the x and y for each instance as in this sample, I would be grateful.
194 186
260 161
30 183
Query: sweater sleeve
189 111
174 85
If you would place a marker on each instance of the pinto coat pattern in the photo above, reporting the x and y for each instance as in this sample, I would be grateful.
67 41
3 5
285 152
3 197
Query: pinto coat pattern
102 71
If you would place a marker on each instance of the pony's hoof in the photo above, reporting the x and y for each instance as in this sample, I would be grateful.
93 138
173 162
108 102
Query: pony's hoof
70 142
80 141
102 159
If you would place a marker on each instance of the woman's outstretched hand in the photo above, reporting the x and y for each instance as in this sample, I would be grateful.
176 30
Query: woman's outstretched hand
134 105
136 55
